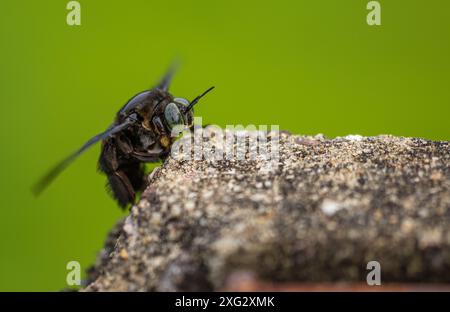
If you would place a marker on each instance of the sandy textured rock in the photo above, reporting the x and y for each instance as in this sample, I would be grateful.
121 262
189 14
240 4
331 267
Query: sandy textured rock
331 206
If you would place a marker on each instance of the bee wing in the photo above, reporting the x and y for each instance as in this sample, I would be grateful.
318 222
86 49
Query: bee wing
139 99
164 83
45 181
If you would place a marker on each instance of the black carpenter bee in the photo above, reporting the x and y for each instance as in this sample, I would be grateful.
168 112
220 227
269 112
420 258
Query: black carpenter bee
140 133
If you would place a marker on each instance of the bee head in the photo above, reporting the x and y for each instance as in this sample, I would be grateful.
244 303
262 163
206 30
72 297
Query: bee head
179 112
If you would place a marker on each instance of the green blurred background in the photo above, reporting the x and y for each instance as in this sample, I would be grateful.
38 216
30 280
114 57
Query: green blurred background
310 66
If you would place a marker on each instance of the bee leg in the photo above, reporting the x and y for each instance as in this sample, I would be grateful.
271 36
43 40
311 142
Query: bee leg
135 172
147 156
121 187
126 147
152 155
132 174
119 173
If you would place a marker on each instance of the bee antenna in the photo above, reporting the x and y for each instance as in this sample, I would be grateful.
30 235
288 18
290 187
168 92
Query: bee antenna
195 101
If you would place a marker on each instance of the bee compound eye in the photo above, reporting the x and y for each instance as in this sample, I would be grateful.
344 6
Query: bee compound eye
181 101
173 115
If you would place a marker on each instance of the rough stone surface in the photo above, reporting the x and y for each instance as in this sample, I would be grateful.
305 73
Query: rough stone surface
330 207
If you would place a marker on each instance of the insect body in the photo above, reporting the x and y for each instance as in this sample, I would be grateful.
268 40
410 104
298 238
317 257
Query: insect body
140 133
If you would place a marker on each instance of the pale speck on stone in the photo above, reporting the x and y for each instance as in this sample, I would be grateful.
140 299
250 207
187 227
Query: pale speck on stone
176 210
190 205
156 218
430 238
124 254
128 227
354 137
330 207
407 225
143 204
